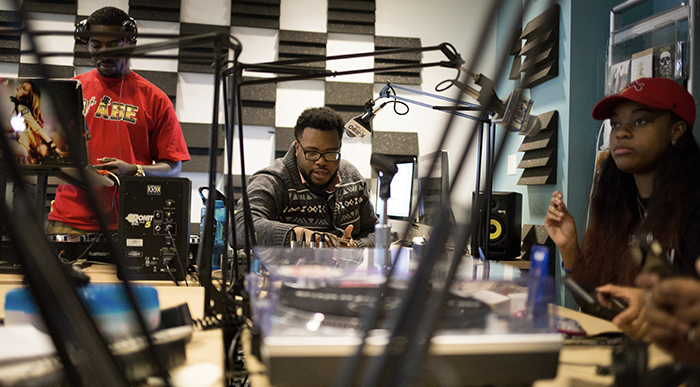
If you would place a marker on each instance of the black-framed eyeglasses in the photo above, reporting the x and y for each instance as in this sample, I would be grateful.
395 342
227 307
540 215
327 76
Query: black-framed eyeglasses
314 155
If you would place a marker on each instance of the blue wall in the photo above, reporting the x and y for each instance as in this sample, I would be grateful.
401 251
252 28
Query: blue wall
583 35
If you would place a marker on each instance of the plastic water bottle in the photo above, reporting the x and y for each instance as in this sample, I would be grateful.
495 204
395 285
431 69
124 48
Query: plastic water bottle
219 248
540 287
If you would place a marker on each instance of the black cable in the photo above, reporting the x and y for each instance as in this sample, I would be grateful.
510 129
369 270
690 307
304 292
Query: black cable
179 261
166 262
92 243
395 102
192 271
232 348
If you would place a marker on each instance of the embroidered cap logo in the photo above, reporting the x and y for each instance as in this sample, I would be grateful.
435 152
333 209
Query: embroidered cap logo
636 84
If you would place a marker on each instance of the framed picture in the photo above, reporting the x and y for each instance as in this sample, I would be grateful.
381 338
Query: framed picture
665 61
642 65
618 77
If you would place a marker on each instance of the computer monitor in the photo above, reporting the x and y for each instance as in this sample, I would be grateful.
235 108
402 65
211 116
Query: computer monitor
434 186
400 203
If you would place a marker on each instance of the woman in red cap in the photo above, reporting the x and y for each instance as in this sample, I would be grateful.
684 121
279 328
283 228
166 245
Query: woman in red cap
650 182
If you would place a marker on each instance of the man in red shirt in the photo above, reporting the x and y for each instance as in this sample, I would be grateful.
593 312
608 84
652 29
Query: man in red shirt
132 123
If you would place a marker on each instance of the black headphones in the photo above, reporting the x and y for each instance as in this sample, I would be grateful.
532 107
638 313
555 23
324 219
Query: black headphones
128 26
630 368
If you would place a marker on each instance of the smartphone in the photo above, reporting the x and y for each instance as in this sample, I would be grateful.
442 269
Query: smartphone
590 300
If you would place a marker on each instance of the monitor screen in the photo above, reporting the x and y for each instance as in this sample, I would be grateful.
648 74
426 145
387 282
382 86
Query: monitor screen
46 127
434 185
399 204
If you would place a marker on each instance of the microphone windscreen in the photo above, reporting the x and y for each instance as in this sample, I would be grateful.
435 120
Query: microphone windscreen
355 128
533 127
383 164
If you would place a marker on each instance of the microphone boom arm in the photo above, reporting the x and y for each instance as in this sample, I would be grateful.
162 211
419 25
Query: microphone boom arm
385 93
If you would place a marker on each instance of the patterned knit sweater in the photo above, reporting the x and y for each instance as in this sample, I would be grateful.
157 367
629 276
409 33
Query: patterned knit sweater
279 201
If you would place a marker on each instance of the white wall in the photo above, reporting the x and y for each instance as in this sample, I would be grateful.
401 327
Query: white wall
458 22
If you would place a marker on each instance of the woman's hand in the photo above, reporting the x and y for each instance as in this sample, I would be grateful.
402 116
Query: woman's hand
632 321
562 229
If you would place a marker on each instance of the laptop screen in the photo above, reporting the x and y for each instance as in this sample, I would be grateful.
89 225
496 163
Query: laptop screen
44 122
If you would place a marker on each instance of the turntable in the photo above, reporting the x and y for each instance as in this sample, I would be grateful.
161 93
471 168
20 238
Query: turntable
308 304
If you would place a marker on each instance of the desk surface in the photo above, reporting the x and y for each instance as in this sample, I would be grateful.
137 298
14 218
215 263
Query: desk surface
576 363
205 354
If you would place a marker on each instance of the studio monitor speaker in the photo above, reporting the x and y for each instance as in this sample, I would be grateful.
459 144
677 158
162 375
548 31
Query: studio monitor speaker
154 227
505 224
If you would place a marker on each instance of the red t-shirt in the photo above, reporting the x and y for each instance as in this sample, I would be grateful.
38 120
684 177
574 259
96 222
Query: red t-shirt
131 120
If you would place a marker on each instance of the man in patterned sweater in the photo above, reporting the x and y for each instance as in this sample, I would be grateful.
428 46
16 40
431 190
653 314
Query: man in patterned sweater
311 192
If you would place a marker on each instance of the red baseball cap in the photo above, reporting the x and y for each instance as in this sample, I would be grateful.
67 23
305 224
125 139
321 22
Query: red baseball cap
658 93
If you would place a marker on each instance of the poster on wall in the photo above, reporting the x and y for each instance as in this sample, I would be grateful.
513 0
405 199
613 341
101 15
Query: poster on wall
642 65
618 77
665 60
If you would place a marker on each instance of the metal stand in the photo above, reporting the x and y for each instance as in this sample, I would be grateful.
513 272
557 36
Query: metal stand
386 169
481 214
481 208
382 241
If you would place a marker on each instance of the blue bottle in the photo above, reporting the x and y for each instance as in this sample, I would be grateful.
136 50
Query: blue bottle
540 287
219 248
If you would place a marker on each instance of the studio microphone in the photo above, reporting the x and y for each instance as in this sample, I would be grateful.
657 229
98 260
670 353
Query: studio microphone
513 113
361 126
516 116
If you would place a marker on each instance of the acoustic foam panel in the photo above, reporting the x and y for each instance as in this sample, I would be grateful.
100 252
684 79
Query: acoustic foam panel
50 6
541 49
351 16
348 98
160 10
32 70
284 137
354 16
405 76
258 103
301 45
540 158
199 58
256 13
166 81
395 143
197 138
10 36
